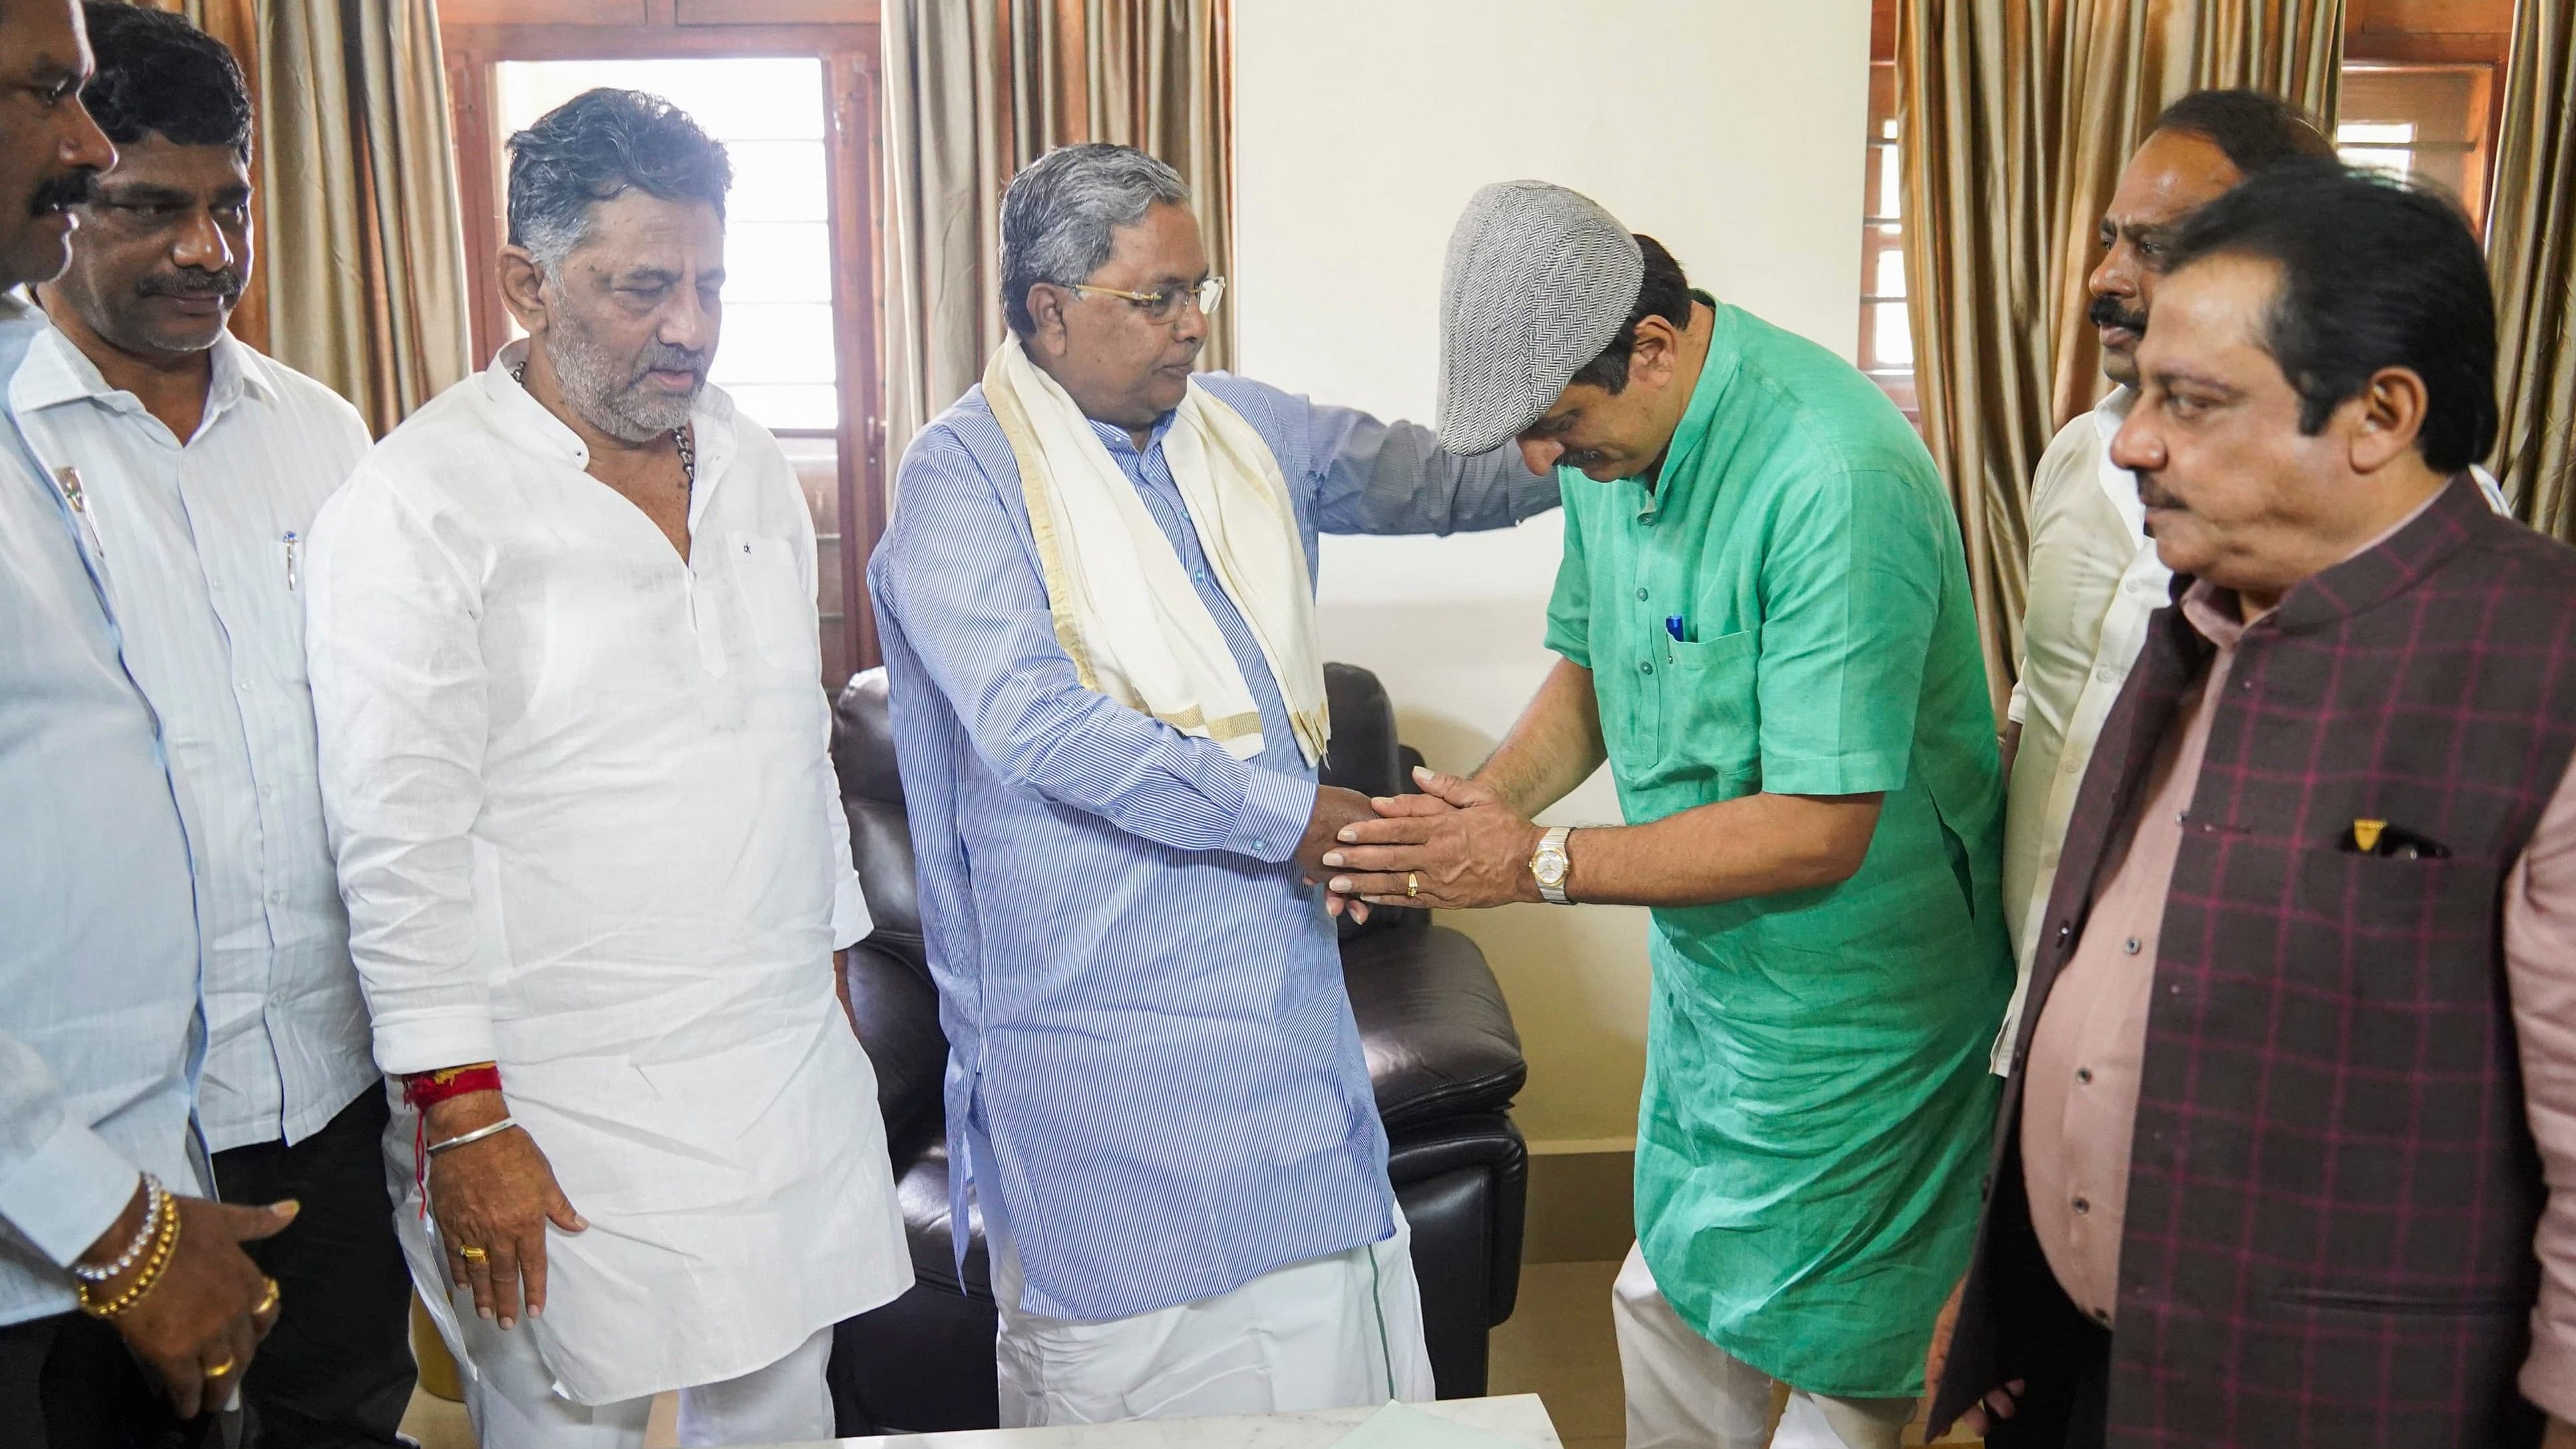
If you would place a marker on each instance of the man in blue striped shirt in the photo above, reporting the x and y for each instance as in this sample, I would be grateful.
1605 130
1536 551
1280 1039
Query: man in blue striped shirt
1154 1081
116 1327
201 465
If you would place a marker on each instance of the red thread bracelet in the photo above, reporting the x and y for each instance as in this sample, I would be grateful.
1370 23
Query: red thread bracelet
422 1090
426 1089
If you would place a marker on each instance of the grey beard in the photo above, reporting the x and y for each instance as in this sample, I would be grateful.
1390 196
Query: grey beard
621 409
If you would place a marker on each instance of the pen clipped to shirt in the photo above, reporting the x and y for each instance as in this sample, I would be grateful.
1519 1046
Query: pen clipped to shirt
291 540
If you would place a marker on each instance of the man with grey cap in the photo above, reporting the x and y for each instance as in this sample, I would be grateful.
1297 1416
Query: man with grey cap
1765 627
1097 604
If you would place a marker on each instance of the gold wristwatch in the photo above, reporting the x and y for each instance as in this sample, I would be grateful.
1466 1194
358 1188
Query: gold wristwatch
1551 865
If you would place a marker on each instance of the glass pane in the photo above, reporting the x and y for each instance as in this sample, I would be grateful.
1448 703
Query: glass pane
1891 343
777 261
1890 280
776 342
777 181
734 100
788 406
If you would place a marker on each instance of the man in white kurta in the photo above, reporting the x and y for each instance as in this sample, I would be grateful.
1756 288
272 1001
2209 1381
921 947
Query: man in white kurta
588 832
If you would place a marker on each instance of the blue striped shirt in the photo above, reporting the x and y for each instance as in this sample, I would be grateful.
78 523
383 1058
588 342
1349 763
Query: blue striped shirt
100 1037
1143 1002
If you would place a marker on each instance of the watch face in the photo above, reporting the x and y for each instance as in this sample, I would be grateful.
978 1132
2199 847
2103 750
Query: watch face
1550 869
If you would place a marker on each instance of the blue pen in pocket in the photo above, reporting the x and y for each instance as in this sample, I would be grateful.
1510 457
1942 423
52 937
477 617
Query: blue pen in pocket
1673 626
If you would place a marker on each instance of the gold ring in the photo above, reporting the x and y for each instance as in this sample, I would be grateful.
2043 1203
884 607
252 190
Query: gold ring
270 1300
472 1254
218 1370
1412 884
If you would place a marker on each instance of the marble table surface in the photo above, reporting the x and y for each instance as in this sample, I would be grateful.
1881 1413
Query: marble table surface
1519 1419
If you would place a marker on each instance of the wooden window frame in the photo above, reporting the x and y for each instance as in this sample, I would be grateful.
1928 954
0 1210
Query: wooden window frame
482 36
2440 35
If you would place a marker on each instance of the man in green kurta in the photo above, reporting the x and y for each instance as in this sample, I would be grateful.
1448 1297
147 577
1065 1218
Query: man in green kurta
1765 625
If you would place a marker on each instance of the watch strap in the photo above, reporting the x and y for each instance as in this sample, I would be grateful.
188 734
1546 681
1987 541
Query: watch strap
1553 843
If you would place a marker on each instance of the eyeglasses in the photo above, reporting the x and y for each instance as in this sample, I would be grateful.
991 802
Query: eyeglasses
1164 305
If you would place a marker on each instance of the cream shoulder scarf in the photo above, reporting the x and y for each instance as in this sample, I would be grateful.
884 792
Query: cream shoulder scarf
1124 609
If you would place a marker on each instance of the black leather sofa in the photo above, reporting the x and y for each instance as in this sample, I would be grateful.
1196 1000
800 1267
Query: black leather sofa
1441 1052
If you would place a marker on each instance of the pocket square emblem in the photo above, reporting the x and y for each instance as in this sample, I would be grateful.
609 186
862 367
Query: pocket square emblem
2390 842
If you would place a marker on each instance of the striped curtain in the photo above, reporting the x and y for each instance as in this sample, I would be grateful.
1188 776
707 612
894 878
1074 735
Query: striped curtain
2531 250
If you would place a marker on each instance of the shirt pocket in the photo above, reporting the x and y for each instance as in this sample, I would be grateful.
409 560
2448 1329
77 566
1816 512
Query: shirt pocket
777 613
1709 724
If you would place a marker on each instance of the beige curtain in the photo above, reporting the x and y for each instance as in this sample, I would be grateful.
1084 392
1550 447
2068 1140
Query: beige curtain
2016 118
2531 249
976 89
361 274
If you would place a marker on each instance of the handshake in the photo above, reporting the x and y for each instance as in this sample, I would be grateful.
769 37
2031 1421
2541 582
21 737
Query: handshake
1455 846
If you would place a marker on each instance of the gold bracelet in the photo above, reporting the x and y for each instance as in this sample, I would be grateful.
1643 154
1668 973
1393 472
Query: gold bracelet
162 1248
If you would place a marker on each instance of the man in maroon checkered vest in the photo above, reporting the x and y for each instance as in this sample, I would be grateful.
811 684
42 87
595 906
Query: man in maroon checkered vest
2288 1156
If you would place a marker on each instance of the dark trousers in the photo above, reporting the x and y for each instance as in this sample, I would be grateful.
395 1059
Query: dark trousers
2068 1402
67 1382
337 1371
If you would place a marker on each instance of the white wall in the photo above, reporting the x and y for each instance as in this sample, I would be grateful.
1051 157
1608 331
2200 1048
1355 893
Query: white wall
1733 131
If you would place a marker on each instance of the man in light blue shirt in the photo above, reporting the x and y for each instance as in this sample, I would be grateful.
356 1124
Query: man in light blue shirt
99 1031
1155 1081
201 465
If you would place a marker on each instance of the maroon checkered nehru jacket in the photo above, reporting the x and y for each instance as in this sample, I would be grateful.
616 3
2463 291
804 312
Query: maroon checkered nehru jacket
2333 1187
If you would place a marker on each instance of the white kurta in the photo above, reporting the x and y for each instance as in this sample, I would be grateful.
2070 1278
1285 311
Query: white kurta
587 827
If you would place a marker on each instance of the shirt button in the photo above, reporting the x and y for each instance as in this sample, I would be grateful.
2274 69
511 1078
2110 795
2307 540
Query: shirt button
1641 594
1261 845
2084 1075
2130 945
2082 1207
1645 668
2106 674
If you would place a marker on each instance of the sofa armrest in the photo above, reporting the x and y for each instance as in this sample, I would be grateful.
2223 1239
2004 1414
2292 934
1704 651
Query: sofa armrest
1432 1019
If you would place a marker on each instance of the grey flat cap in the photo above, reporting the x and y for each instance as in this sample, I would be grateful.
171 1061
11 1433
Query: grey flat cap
1537 282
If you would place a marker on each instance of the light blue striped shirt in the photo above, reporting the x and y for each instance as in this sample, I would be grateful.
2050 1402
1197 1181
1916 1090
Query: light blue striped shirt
99 1030
1143 1002
202 546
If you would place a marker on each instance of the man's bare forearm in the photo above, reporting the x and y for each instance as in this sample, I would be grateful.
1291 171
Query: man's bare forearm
1758 845
1554 746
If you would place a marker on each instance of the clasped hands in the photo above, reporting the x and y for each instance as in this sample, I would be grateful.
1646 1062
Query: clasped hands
1455 846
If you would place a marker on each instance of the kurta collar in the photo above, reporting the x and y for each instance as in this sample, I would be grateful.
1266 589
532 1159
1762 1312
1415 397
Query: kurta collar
1717 370
525 421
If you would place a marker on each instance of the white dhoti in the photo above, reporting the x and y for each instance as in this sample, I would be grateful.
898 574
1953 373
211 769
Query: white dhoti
514 1404
1685 1392
1335 1332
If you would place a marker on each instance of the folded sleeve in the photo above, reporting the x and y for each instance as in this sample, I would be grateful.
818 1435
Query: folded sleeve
957 576
1363 475
1851 582
61 1185
393 595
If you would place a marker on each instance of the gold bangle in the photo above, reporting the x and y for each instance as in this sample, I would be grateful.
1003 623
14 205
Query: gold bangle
162 1249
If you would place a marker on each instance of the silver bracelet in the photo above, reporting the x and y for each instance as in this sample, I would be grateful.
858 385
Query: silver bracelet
477 1135
143 1237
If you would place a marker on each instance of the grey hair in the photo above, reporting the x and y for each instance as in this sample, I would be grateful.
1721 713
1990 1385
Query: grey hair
1061 208
595 147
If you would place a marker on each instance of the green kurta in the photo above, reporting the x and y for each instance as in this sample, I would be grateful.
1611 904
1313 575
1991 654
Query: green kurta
1817 1104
